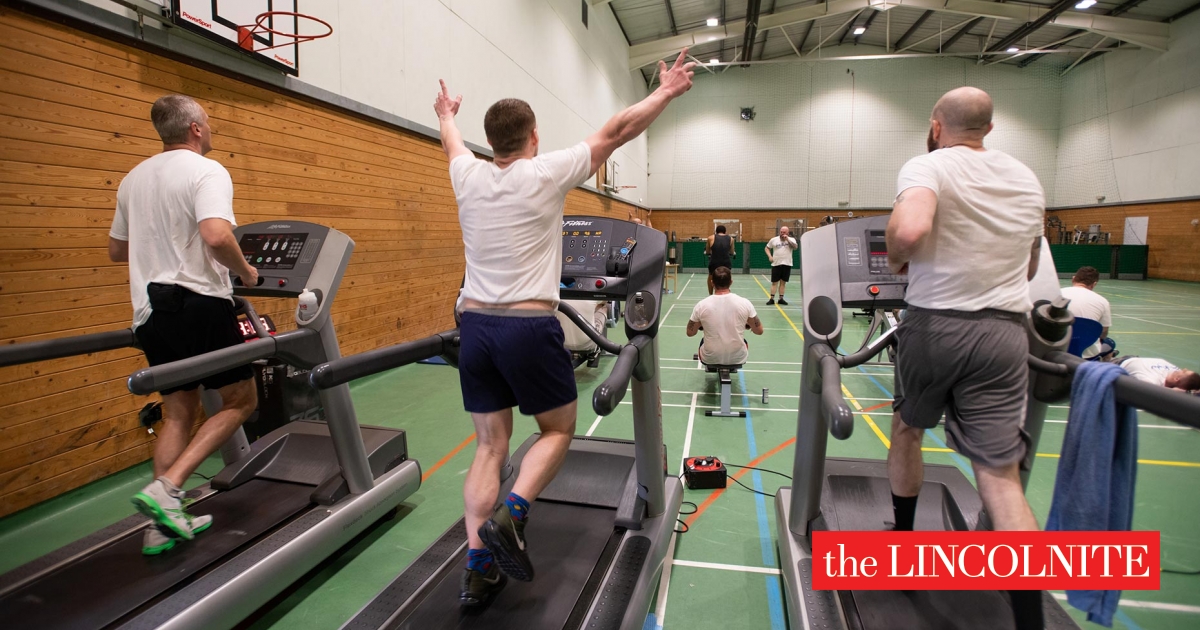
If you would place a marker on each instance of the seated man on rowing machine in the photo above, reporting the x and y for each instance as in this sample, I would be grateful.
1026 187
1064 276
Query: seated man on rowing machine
582 348
723 316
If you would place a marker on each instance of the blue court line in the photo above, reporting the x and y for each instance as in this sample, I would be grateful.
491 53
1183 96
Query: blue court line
774 593
1124 618
959 460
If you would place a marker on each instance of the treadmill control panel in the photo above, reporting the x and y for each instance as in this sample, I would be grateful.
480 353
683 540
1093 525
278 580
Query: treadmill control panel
283 252
585 246
865 277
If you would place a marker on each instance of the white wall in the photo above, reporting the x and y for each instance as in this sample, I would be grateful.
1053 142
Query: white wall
798 152
390 55
1130 126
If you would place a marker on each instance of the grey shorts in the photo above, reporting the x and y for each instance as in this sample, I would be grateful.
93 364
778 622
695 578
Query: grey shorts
972 367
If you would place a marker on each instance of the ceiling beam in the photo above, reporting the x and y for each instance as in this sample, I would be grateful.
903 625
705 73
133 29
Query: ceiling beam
1129 4
598 3
1153 35
1030 27
870 18
959 35
750 30
671 17
807 31
1184 12
1032 58
912 29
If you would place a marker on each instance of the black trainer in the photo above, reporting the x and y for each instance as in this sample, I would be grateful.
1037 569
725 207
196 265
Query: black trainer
771 301
478 588
505 538
782 302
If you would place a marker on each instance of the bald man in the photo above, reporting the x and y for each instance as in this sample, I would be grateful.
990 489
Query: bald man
967 227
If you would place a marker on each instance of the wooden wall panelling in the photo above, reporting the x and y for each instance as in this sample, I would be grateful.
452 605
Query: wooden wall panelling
74 118
1174 243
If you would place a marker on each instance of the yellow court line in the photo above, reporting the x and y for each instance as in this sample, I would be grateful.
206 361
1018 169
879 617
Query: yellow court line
1150 462
853 401
789 319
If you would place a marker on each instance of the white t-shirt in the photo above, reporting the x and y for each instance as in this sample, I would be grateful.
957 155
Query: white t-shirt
1153 371
1088 304
724 318
990 209
512 222
781 250
160 205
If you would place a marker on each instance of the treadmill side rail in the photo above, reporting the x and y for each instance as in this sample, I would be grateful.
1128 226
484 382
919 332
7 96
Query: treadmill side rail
220 601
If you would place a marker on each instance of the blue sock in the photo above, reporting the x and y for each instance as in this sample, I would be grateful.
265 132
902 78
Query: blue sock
517 506
479 560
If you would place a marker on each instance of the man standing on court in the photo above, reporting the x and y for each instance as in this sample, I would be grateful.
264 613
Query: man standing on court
720 252
963 346
780 249
174 226
512 353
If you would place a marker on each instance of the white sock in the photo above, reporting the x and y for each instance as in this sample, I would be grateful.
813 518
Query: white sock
172 489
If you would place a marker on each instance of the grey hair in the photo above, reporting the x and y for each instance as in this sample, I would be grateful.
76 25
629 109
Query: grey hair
173 116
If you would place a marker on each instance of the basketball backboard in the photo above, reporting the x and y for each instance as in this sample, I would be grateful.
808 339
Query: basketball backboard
219 20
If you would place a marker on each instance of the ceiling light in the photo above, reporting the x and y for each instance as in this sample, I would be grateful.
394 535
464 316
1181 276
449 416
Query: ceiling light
714 61
1014 49
860 30
1085 4
716 22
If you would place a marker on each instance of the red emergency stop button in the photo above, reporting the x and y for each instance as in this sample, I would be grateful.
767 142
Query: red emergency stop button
282 282
873 290
599 284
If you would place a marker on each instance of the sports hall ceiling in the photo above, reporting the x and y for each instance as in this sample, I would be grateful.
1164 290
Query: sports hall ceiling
783 29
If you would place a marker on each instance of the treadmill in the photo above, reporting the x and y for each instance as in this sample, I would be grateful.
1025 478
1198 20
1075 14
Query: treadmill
299 494
844 266
599 532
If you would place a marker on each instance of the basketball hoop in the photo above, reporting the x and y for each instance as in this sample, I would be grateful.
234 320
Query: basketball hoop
246 34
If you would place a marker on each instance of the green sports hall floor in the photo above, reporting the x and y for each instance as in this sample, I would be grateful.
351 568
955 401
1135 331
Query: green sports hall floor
725 568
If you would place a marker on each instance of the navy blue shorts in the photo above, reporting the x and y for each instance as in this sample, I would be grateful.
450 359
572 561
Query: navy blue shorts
507 362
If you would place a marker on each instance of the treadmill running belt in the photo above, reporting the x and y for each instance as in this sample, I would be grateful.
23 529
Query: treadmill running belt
565 542
104 586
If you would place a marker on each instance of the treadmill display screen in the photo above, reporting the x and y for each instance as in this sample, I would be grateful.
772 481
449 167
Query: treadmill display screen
585 246
877 247
272 251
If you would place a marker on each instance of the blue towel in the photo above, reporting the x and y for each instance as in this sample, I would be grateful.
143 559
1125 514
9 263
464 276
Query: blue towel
1097 472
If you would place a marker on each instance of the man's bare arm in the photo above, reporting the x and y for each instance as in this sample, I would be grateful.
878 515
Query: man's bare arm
633 120
911 222
218 235
118 250
447 109
693 328
708 243
1035 254
755 325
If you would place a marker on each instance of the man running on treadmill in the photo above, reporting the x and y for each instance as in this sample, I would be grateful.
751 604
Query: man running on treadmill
512 353
174 226
963 346
720 253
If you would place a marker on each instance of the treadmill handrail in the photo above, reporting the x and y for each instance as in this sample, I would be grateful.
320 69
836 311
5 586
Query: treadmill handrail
833 405
153 379
606 344
346 369
869 351
32 351
1171 404
609 394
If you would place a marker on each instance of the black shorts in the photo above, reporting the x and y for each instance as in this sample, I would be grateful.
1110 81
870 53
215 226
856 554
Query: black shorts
514 360
970 366
781 273
713 266
195 325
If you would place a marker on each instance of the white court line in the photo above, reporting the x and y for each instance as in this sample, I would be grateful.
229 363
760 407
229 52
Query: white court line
764 328
747 363
1140 426
595 424
1160 323
1134 603
675 301
664 582
725 567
